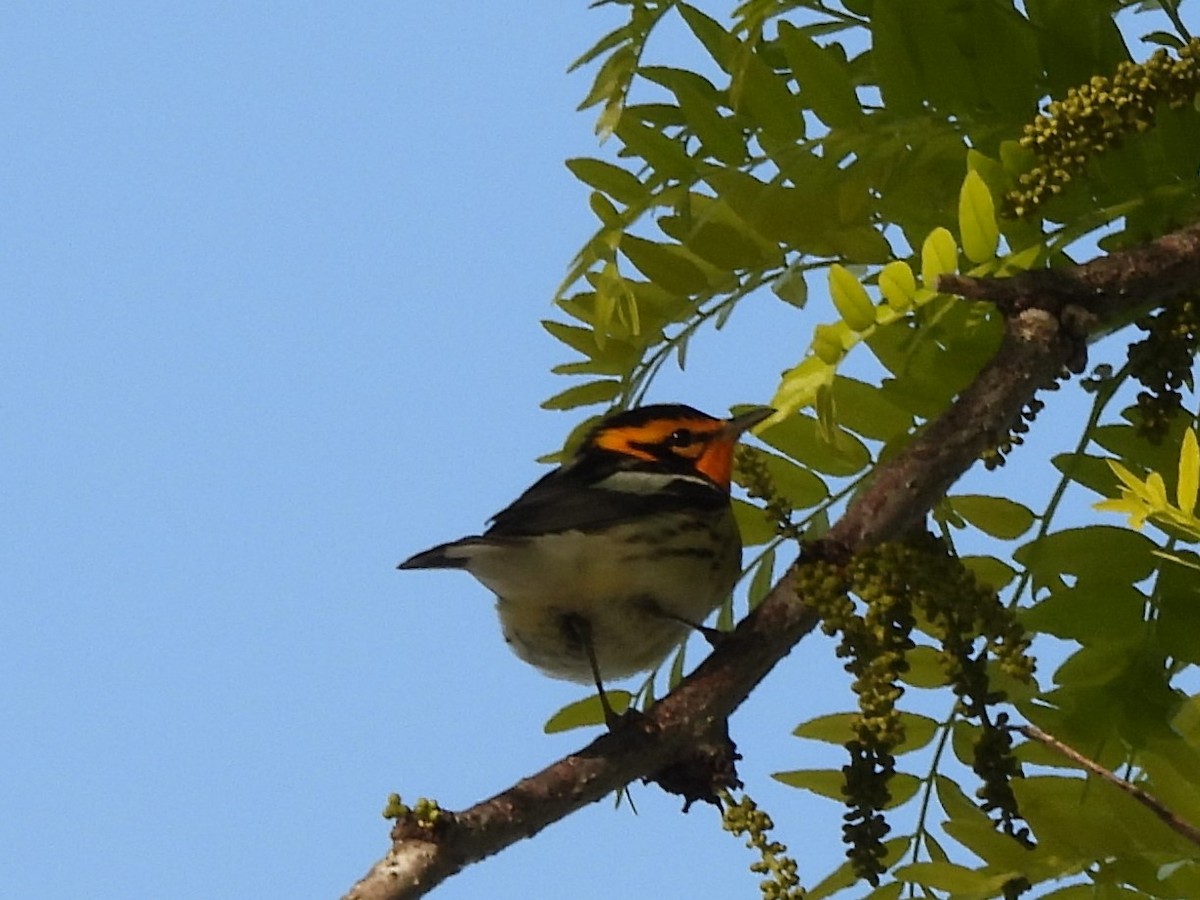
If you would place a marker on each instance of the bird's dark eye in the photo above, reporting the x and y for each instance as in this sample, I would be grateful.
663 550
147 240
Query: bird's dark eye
680 437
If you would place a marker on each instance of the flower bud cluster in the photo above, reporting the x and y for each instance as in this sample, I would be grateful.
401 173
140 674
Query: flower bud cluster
744 817
1095 117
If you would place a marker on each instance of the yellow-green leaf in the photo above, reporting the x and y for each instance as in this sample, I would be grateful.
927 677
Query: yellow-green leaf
761 583
926 668
667 265
939 256
1189 472
1130 480
823 782
587 711
799 386
753 523
827 345
977 219
851 298
620 184
1157 490
835 728
990 571
998 516
898 284
584 395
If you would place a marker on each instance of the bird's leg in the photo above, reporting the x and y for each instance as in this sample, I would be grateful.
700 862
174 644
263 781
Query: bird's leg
579 630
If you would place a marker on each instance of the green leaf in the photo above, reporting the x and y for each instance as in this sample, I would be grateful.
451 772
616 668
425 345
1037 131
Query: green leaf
580 339
720 44
676 674
926 668
902 787
890 891
823 782
755 527
620 184
1102 552
760 94
591 367
936 851
830 783
894 59
977 219
823 76
1093 610
584 395
586 712
791 287
979 835
834 728
863 409
1186 721
851 299
800 438
919 730
763 580
1177 596
792 215
1096 666
957 880
990 571
665 155
843 876
998 516
1090 471
699 102
723 244
610 40
612 77
667 265
939 256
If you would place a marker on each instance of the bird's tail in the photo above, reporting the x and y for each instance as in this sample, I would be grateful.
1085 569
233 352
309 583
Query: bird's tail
454 555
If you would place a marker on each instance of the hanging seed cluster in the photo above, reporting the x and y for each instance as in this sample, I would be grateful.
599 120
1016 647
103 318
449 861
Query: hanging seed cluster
1163 362
903 588
751 472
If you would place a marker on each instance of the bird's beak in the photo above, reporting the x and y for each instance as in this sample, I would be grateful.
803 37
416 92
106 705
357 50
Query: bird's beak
738 425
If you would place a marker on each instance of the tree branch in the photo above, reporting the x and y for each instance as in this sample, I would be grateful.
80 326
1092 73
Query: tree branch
1177 824
1049 314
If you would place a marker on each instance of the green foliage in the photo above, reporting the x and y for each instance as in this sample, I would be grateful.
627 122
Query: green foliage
844 155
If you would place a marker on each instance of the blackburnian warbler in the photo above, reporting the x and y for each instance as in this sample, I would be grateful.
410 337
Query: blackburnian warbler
601 566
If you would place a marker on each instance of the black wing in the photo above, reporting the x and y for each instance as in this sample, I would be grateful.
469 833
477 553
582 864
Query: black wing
568 499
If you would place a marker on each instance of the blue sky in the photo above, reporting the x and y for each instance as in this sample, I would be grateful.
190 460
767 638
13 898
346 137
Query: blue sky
272 276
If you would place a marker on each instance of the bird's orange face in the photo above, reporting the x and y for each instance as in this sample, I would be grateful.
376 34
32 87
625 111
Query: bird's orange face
704 442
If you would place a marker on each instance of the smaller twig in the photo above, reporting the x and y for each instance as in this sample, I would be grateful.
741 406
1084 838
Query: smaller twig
1176 823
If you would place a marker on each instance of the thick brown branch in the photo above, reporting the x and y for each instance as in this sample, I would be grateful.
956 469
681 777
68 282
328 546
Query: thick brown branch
1048 316
1108 287
1177 824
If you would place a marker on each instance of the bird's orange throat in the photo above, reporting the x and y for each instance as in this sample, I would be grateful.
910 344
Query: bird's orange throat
717 461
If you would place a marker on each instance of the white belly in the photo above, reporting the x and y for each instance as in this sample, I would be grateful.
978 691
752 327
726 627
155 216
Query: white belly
632 596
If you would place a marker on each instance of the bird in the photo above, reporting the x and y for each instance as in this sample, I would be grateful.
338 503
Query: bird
603 565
